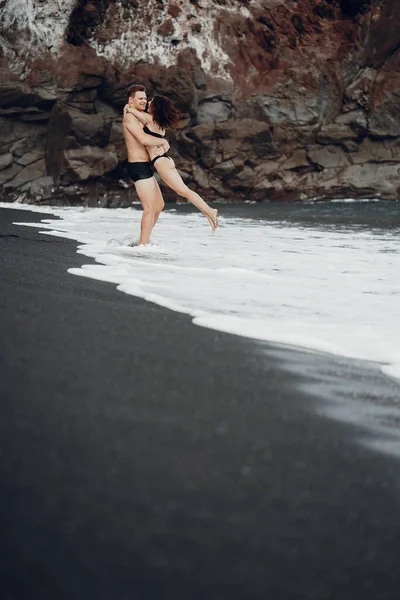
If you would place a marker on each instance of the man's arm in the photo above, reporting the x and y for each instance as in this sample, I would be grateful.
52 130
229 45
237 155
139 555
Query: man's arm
136 130
140 115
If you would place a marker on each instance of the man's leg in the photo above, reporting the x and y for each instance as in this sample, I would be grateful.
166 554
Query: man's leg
159 202
149 196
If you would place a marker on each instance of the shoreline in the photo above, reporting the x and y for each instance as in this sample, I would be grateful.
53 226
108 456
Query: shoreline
372 368
147 456
244 325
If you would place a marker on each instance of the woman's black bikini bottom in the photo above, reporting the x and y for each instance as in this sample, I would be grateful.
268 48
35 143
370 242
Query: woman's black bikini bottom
157 157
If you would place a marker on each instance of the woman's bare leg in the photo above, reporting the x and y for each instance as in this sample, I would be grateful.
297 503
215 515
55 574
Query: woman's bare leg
159 203
168 173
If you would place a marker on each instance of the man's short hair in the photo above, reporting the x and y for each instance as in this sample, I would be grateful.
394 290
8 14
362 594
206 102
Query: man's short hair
135 88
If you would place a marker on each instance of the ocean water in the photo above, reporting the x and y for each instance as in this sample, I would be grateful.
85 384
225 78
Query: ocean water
325 277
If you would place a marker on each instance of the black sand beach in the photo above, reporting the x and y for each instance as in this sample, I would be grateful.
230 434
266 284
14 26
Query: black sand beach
145 458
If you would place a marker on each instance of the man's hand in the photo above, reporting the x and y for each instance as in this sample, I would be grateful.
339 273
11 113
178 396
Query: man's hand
134 127
162 148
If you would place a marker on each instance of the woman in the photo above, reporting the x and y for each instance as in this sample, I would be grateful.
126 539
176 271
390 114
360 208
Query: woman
163 115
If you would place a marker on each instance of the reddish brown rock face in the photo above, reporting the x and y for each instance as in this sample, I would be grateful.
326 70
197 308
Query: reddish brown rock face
279 100
382 38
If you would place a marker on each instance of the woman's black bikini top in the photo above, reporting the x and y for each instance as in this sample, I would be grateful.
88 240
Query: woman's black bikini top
147 130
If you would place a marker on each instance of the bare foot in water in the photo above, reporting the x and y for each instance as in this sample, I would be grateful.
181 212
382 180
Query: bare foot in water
213 218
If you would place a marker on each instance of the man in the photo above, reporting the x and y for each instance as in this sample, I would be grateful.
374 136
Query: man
139 166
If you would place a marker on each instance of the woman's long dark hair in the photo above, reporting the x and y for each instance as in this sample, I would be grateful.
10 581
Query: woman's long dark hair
164 112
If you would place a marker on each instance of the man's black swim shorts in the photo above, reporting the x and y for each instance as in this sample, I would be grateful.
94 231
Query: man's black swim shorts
140 170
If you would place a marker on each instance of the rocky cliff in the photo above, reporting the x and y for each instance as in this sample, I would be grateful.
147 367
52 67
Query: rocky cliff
279 99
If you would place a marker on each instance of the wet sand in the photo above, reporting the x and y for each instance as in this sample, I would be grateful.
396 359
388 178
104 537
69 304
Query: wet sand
143 457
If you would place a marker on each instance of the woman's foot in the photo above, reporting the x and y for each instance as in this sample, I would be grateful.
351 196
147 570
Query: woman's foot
212 218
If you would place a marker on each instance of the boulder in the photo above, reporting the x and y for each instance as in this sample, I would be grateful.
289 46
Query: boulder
71 129
384 121
41 188
30 157
29 173
14 94
356 119
328 157
86 162
6 160
213 108
373 151
297 160
7 131
225 169
87 128
30 139
285 111
336 133
8 173
263 172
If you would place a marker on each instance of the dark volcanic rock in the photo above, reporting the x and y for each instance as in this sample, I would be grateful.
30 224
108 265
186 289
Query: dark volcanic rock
75 145
6 160
213 108
352 8
28 174
86 162
278 100
84 18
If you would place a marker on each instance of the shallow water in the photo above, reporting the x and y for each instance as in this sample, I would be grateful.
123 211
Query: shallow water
323 276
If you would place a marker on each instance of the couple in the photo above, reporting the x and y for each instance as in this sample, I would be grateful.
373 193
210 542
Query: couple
144 138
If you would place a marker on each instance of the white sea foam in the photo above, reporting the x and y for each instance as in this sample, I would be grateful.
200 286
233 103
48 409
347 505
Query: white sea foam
326 289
